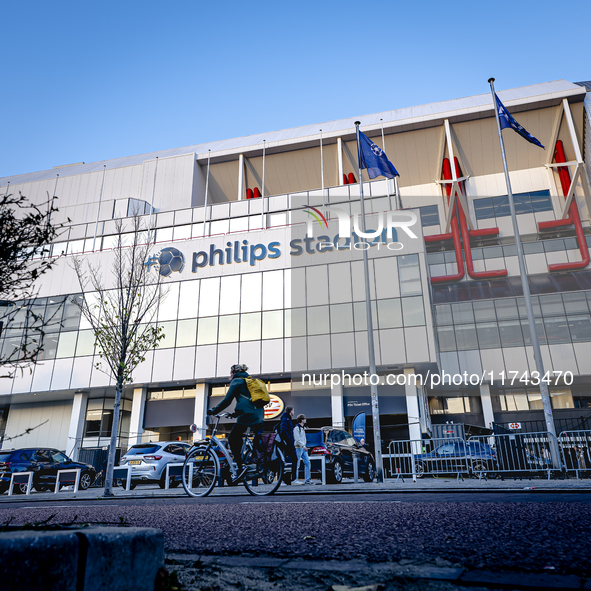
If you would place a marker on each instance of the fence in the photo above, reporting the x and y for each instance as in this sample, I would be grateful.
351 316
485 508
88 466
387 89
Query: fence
487 456
575 447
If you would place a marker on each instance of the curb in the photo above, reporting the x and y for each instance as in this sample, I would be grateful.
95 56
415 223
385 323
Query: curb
81 559
240 492
460 575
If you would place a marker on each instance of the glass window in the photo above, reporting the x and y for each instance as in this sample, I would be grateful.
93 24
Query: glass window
492 252
50 342
541 201
188 300
551 304
535 300
273 324
466 337
413 312
580 327
390 313
71 314
429 215
554 245
229 326
484 311
446 337
454 405
318 320
501 206
67 345
533 247
251 298
250 326
557 330
209 297
85 345
169 332
341 318
207 331
539 330
488 335
443 314
230 295
510 331
506 309
535 401
462 312
575 303
410 277
483 208
561 398
186 335
360 315
522 203
273 290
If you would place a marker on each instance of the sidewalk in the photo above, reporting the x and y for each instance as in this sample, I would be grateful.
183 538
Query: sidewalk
347 486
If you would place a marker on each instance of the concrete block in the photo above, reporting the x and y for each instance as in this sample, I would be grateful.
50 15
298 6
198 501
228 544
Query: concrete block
121 559
44 561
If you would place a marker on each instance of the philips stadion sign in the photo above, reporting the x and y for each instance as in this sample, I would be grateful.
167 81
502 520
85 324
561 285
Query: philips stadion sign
171 260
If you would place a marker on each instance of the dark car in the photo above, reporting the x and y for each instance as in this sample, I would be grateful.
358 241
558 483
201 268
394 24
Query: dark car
457 457
340 448
44 463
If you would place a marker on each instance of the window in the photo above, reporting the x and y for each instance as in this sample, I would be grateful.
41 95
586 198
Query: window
412 311
429 215
510 331
533 202
488 335
59 457
466 337
389 313
410 277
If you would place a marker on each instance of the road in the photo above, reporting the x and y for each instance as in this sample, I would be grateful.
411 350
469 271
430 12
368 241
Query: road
522 531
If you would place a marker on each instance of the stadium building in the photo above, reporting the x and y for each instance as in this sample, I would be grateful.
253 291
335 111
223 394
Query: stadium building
249 284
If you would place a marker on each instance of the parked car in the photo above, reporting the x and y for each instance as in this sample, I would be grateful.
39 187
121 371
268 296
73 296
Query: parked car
148 462
457 456
340 448
44 463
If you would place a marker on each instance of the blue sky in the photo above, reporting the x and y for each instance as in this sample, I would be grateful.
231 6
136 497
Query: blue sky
88 81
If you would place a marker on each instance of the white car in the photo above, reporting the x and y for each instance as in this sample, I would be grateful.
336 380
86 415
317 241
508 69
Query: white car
148 461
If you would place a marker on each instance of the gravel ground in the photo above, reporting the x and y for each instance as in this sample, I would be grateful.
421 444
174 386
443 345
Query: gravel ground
511 536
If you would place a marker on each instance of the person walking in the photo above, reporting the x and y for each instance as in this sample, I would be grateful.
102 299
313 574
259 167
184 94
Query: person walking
248 415
286 434
299 438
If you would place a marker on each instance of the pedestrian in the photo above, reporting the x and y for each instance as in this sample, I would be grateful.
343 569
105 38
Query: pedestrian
299 437
286 434
581 465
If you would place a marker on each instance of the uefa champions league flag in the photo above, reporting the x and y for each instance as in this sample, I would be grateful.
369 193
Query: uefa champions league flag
374 159
506 120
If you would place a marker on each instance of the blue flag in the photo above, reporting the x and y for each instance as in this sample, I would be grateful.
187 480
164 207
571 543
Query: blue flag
374 159
506 120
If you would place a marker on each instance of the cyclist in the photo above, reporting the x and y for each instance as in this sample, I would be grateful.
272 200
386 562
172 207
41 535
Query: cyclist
247 414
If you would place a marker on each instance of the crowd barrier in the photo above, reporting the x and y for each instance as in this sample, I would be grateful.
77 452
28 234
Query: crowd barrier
575 447
486 456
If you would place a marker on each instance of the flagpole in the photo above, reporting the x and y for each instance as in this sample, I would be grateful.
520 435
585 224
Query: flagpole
206 193
322 170
375 409
263 192
384 149
527 297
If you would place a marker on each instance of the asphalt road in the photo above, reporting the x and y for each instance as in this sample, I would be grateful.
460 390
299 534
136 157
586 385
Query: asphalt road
524 531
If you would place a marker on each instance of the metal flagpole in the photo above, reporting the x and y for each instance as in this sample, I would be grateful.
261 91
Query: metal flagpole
322 170
263 192
384 149
98 213
152 203
527 297
375 409
206 193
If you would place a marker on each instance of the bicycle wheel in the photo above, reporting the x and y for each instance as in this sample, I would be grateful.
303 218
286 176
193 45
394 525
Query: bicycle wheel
200 472
264 479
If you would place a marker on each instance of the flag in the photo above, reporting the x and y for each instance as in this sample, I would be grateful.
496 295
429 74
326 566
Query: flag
374 159
506 120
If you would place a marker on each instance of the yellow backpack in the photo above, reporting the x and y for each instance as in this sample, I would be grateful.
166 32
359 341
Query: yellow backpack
259 394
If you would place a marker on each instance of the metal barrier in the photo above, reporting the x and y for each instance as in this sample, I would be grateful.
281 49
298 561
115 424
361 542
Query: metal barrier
575 447
512 453
322 459
418 458
176 471
69 480
118 475
21 478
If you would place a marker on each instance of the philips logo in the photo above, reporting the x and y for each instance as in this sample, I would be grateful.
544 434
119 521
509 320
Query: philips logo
168 261
235 252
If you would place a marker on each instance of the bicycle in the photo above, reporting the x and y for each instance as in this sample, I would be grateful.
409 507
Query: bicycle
202 468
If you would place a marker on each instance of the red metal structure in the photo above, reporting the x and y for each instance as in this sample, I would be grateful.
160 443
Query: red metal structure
466 234
573 217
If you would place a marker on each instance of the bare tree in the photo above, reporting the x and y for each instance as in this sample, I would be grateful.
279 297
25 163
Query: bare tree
26 232
121 313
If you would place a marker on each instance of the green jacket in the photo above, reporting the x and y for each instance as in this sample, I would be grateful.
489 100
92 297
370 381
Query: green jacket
248 414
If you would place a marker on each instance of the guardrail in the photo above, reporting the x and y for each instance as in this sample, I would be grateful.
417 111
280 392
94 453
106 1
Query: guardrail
575 447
